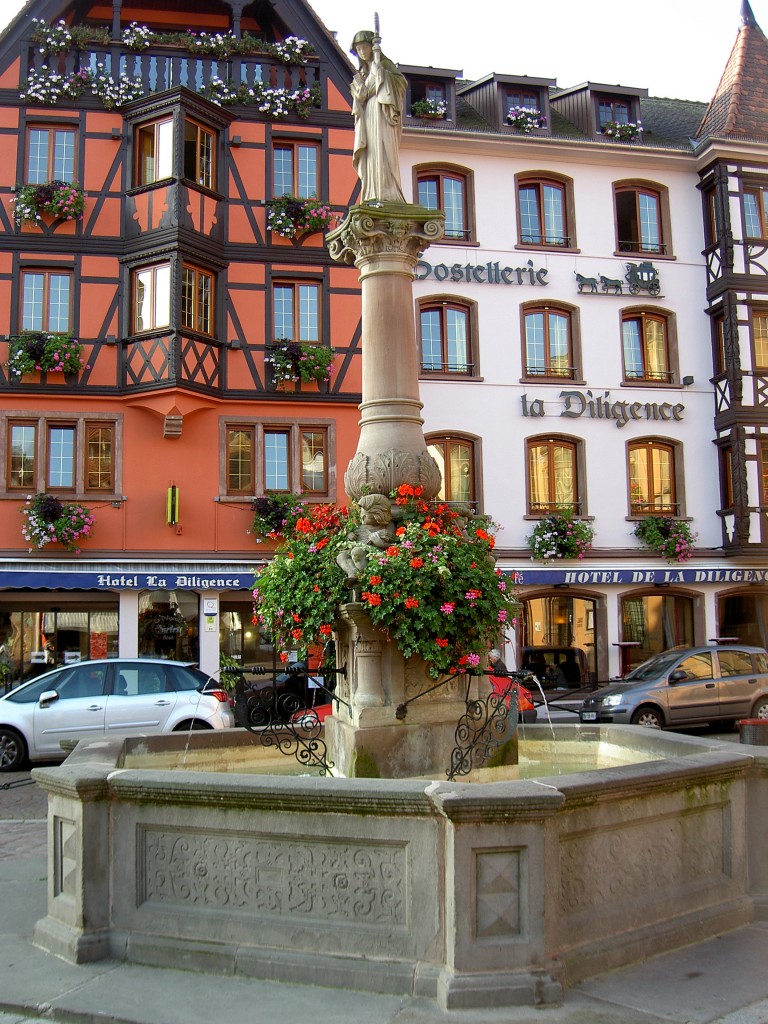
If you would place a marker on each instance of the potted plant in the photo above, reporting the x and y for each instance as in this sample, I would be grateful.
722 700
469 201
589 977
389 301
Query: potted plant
667 536
623 131
276 514
560 535
525 119
433 109
434 588
39 350
49 520
290 216
297 361
62 200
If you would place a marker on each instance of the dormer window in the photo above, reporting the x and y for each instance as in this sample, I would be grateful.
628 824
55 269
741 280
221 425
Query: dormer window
521 98
612 109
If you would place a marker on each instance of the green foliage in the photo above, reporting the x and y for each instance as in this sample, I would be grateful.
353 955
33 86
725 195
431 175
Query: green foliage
276 515
49 520
294 361
289 216
669 537
62 199
39 350
560 535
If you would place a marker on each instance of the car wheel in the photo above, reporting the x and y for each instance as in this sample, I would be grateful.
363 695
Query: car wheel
760 710
648 717
195 724
13 751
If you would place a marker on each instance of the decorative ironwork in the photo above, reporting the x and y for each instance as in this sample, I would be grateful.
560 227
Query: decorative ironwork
485 726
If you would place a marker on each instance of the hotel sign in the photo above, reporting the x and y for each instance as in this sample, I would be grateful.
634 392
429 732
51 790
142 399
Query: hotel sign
584 403
638 577
481 273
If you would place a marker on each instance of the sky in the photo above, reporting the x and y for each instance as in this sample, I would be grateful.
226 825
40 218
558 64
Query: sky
675 48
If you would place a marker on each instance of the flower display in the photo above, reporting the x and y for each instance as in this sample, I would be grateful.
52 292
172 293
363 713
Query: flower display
39 350
49 520
136 37
560 535
525 119
290 216
292 50
297 361
62 199
626 131
669 537
276 515
429 108
51 38
421 607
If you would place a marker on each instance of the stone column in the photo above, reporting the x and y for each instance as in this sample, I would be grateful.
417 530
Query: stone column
385 242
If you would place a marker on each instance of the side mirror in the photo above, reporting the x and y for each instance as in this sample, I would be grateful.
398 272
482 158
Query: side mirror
678 675
47 698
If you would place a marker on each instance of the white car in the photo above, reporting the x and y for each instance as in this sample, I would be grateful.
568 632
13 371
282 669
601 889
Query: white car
97 698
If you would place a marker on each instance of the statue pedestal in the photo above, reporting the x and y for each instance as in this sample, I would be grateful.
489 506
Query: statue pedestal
388 730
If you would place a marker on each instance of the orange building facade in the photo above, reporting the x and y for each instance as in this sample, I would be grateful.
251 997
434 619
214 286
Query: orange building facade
152 347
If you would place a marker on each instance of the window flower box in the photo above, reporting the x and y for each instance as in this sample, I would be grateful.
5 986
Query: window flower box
49 520
525 119
41 351
560 535
292 361
434 110
669 537
61 200
291 217
628 131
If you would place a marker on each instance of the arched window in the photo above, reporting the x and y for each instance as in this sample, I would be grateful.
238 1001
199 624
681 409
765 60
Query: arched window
642 218
446 333
645 346
545 210
456 458
448 189
553 478
652 479
549 351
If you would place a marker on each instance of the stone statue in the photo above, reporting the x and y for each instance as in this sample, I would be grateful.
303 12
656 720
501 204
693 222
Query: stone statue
376 530
378 93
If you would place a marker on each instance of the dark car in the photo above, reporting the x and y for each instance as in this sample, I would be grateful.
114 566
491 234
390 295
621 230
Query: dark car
686 686
557 667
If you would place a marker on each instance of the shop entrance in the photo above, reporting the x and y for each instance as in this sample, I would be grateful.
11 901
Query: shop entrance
744 617
652 624
168 625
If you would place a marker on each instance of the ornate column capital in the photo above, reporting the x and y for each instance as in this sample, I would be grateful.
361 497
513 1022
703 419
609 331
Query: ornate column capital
383 229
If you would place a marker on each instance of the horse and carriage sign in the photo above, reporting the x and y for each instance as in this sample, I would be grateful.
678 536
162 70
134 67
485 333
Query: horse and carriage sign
638 277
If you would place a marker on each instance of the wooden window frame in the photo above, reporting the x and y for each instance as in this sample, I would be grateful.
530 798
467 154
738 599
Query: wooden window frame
294 430
296 284
538 180
755 313
606 99
661 194
50 427
202 320
761 193
725 466
506 98
151 268
442 303
669 322
26 485
574 340
465 441
440 173
140 178
676 505
204 176
540 509
294 145
51 130
82 424
109 428
45 306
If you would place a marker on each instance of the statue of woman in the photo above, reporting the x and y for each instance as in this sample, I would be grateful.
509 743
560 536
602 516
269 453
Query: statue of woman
378 92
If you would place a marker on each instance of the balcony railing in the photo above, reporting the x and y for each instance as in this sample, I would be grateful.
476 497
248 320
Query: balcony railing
562 241
652 376
564 372
436 366
655 508
545 508
635 245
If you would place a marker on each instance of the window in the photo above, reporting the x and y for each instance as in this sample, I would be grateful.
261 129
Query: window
152 298
726 476
652 479
426 89
763 470
544 211
199 150
520 97
735 663
755 212
646 352
760 339
295 169
552 476
296 312
77 455
548 346
46 301
456 458
718 343
641 219
154 152
196 299
446 331
447 190
50 155
292 458
611 109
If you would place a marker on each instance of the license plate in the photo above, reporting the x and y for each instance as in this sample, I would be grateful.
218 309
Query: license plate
589 716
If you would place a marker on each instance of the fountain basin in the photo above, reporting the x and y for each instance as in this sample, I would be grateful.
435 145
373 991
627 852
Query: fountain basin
487 894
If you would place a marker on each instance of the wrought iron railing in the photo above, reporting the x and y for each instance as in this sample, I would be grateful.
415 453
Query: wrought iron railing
564 372
635 245
654 508
561 241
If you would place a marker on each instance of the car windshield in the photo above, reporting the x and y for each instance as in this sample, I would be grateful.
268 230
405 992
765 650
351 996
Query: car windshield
659 665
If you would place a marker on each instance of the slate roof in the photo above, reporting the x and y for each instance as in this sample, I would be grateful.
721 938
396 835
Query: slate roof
740 104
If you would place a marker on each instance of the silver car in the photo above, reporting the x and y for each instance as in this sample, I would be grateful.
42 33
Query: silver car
97 698
686 686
